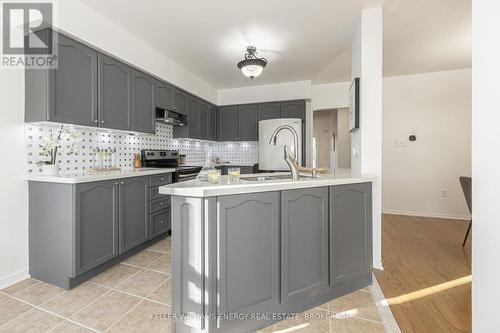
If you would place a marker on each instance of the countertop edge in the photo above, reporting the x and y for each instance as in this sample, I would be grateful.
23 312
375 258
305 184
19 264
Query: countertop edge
88 178
212 191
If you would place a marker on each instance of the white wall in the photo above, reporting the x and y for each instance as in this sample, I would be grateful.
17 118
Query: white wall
330 95
14 194
366 57
436 107
88 25
265 93
485 159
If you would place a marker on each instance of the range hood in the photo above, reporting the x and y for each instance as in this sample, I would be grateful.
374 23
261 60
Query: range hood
170 117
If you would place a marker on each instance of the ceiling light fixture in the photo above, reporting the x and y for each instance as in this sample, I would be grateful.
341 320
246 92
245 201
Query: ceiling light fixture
252 66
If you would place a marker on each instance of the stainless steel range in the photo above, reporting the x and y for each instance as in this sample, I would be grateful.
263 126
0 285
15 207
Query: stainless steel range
157 158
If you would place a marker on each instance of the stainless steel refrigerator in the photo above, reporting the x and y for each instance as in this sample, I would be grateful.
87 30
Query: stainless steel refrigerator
271 156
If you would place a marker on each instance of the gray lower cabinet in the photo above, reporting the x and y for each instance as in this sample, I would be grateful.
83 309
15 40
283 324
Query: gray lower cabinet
227 125
97 213
266 253
304 243
77 230
134 212
350 232
115 93
143 102
249 266
67 94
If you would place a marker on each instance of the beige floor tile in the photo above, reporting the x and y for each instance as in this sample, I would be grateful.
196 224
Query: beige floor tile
33 321
358 304
163 293
106 310
162 264
20 286
147 317
69 327
144 258
38 293
165 245
74 300
316 321
115 275
142 283
10 308
355 325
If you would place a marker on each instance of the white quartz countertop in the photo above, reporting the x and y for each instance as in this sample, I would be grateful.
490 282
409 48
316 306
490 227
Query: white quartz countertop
98 176
194 188
234 164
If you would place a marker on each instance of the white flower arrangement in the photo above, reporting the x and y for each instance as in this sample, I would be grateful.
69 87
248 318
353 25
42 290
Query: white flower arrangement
52 144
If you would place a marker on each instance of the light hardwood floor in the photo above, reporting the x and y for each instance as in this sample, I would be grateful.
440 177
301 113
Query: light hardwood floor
426 277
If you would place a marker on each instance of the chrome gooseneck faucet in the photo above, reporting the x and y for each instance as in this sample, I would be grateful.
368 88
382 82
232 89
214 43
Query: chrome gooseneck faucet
291 161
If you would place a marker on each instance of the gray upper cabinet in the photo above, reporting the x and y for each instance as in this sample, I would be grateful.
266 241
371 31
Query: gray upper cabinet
115 90
350 232
143 101
247 122
268 111
134 214
293 109
180 101
248 231
164 95
67 94
304 243
96 224
212 123
203 126
227 125
193 115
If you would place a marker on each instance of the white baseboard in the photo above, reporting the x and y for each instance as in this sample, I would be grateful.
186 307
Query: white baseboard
13 278
422 214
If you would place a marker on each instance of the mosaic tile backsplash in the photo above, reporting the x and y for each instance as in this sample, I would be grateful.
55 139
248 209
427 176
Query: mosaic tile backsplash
126 145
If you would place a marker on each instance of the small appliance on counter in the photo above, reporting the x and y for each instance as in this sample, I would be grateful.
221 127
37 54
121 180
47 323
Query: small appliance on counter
157 158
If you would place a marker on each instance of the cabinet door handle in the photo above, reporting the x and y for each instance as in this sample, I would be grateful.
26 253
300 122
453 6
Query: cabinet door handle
162 179
123 183
162 222
161 203
96 121
102 121
117 183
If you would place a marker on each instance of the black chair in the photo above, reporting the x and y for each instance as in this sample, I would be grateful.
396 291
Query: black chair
466 183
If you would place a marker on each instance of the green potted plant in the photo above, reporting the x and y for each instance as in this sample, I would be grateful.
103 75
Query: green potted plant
51 146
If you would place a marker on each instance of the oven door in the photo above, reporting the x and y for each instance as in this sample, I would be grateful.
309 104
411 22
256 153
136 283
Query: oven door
182 177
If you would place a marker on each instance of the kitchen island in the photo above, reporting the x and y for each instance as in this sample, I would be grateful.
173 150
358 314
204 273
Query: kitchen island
246 254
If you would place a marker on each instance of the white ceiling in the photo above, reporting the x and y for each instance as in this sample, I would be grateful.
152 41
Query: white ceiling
302 40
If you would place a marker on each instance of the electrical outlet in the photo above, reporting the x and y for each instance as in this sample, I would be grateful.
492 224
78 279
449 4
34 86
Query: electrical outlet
444 193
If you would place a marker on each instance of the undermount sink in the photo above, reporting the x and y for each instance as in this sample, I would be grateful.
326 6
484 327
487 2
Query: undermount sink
264 178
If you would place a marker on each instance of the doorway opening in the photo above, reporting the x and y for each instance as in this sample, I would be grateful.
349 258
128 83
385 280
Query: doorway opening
331 130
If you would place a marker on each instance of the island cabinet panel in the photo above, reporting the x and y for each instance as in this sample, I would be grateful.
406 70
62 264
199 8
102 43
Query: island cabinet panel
134 219
304 243
350 232
248 269
188 262
115 93
96 224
